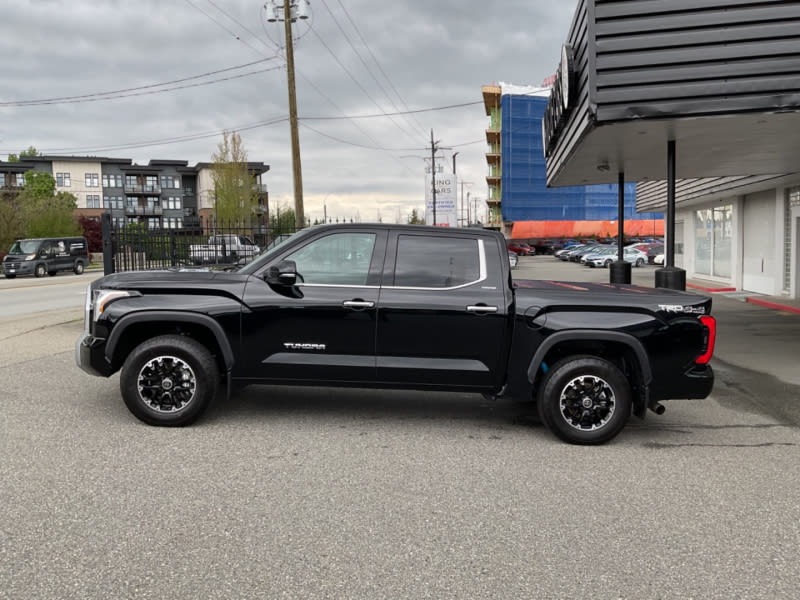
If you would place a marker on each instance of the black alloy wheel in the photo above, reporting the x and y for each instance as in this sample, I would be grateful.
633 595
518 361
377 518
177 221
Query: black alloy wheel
584 400
169 380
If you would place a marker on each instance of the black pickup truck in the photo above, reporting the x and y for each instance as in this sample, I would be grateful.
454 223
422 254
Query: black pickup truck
398 306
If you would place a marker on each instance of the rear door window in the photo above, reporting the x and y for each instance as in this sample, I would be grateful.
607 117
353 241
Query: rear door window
438 261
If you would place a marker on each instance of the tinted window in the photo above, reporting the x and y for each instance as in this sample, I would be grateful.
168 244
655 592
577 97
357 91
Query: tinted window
340 259
436 262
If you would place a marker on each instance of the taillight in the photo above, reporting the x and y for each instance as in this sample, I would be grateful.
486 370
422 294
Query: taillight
710 335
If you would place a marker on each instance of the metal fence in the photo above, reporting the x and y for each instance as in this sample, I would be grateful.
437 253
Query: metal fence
209 243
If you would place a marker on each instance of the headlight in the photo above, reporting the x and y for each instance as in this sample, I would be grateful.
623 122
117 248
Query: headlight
102 298
30 257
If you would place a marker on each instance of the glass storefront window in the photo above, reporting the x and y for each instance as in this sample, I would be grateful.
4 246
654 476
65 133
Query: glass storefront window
723 234
702 242
713 235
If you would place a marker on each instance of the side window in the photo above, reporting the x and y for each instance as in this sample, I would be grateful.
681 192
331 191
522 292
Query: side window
436 262
337 259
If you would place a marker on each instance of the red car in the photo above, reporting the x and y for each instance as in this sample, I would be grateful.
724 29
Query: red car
521 248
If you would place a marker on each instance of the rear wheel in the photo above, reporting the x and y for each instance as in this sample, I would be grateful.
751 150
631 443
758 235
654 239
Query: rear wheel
78 268
584 400
169 380
639 262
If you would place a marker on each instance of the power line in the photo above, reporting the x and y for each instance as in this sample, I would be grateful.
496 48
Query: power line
273 121
356 144
227 14
143 93
372 116
361 87
363 62
193 5
100 95
388 79
164 141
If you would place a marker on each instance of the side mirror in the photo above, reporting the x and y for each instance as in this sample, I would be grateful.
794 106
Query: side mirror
283 273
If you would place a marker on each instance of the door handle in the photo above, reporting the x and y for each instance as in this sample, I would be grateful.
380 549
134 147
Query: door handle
358 304
481 309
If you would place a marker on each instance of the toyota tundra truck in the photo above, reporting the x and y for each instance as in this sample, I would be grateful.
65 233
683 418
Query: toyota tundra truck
403 307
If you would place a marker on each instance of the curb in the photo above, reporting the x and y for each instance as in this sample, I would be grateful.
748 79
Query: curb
774 305
710 289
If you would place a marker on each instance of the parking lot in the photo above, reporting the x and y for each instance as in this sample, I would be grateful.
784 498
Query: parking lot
317 493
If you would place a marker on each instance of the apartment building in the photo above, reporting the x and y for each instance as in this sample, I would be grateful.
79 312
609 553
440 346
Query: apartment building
163 194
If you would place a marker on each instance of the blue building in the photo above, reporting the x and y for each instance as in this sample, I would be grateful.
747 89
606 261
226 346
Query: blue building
517 177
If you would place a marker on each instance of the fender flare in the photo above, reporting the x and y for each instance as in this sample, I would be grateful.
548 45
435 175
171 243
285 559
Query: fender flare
173 317
592 335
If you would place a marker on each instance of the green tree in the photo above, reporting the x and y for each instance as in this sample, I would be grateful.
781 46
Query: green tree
11 224
45 212
31 151
281 219
415 219
234 185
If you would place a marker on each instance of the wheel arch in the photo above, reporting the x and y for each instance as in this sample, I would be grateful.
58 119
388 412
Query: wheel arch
135 328
622 349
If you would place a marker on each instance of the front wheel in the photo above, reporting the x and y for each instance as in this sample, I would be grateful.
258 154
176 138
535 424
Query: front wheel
584 400
39 271
169 380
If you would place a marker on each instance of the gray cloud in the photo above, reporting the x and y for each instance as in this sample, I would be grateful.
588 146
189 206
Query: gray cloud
435 54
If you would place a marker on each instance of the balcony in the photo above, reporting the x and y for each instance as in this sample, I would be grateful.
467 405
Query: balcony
144 210
261 188
142 189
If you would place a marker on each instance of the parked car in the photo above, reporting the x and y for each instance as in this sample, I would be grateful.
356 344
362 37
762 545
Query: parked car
564 253
636 257
38 256
521 248
223 249
578 254
653 251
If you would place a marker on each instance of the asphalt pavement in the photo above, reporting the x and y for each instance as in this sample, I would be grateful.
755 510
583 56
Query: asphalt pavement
335 493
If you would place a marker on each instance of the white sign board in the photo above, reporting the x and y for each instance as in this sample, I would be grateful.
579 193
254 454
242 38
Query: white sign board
446 200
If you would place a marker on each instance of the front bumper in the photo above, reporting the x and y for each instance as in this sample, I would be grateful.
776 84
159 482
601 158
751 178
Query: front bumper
18 267
90 355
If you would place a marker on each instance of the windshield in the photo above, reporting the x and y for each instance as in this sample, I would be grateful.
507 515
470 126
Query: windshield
273 248
24 247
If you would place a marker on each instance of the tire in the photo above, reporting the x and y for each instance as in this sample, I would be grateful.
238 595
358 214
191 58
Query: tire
40 270
78 268
603 408
639 262
148 381
607 264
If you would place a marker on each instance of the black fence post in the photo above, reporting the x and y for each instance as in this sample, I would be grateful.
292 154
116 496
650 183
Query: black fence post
108 244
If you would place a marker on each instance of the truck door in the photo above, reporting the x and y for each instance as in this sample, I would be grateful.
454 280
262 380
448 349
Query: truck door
443 315
323 328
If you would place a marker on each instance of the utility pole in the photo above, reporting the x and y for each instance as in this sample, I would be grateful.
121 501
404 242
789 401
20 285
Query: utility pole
292 10
433 176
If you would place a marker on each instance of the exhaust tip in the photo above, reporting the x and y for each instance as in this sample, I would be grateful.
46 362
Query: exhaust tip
657 408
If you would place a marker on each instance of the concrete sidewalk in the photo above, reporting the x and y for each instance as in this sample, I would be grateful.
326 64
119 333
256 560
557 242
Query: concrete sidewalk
754 331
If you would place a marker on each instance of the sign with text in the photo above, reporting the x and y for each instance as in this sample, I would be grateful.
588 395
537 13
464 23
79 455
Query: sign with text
446 200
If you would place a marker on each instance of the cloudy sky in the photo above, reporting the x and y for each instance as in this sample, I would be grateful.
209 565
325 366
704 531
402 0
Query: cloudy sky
145 79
